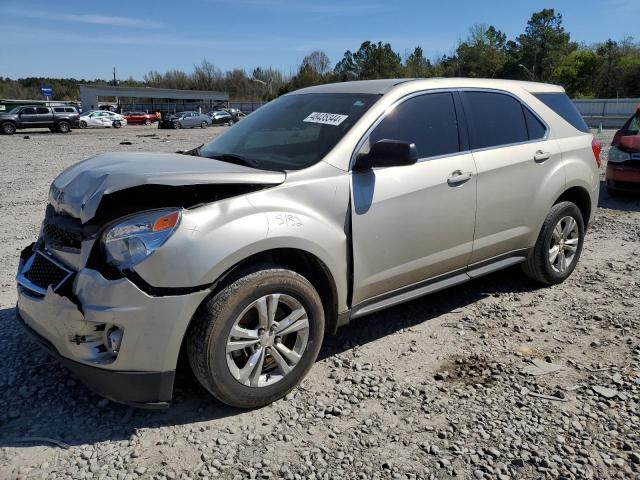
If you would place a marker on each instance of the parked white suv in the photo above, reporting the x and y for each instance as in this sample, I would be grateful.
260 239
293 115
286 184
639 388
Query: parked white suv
327 204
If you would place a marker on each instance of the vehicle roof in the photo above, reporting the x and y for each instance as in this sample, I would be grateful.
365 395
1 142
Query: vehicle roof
384 86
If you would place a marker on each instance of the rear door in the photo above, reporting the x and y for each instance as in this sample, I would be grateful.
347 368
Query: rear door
44 117
519 170
412 223
190 119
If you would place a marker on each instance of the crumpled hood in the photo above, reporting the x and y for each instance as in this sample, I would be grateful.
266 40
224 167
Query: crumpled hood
78 190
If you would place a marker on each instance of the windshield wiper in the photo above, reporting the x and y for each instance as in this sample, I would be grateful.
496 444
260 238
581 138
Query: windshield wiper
194 151
233 158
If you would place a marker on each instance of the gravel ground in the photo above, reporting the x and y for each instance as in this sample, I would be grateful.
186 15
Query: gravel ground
437 388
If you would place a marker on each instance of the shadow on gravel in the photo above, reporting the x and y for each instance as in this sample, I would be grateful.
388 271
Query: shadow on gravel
623 201
380 324
41 402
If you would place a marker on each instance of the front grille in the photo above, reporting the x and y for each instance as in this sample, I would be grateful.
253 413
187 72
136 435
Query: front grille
44 272
61 231
55 235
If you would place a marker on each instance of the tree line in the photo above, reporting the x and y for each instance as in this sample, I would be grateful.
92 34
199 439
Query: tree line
543 52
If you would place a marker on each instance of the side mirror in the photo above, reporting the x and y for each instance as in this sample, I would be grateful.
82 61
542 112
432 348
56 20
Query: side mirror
388 153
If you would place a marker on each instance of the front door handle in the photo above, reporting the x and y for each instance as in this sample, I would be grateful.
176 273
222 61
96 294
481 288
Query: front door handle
541 156
458 177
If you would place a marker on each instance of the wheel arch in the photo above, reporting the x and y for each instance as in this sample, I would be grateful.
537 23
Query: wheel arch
12 122
581 198
300 261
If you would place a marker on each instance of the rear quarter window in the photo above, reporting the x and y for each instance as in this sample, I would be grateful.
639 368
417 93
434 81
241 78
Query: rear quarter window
536 128
563 106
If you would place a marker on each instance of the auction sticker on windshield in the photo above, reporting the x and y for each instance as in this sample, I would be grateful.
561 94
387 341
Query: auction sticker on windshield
326 118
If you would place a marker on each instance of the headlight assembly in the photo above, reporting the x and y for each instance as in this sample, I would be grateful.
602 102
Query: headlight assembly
135 238
617 156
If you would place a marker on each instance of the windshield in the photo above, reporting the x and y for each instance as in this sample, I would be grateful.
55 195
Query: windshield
14 110
634 125
293 131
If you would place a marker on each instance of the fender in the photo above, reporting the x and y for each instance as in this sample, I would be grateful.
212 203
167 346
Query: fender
213 238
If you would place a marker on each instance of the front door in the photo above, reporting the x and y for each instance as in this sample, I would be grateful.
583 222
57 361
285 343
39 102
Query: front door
29 117
413 223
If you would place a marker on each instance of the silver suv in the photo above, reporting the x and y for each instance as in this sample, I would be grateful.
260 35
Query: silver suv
327 204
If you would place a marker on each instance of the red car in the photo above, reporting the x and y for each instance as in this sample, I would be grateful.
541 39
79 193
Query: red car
139 118
623 167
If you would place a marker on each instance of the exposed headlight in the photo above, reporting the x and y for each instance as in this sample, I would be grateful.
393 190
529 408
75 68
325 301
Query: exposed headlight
135 238
616 155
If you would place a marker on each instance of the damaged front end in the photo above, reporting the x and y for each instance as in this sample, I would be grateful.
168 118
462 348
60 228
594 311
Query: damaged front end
78 291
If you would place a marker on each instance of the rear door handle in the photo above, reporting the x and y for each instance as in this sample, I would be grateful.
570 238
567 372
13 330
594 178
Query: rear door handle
458 177
541 156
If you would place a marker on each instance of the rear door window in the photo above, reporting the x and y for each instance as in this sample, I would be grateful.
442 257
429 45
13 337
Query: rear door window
560 103
494 119
429 121
42 111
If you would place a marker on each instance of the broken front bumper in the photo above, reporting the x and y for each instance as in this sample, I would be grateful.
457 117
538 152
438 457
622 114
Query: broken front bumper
72 319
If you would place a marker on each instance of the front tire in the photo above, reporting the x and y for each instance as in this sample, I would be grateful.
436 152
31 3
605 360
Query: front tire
256 339
559 245
203 125
117 124
8 128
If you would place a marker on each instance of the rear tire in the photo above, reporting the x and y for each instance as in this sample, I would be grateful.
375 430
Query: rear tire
559 245
63 127
203 125
8 128
229 372
83 124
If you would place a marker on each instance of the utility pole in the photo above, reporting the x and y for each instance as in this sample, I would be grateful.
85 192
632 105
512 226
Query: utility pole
114 77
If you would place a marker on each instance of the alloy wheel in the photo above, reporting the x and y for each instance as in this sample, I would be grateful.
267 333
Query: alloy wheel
564 244
267 340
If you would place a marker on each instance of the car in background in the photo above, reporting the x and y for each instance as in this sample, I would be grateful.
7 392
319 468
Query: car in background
185 120
57 119
221 117
623 167
140 118
101 118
